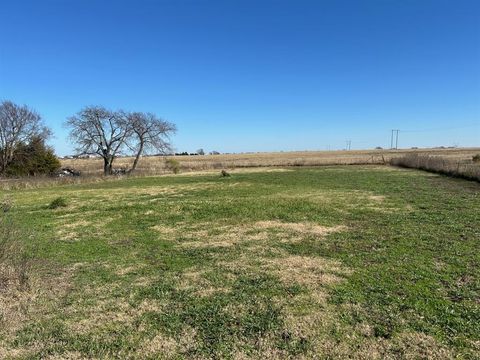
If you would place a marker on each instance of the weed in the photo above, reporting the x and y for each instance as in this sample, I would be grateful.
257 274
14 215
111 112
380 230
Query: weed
57 203
6 205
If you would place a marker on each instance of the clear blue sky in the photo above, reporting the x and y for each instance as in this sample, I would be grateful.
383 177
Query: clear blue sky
253 75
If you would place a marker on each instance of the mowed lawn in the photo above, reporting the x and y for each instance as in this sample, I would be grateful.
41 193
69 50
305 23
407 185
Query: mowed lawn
331 262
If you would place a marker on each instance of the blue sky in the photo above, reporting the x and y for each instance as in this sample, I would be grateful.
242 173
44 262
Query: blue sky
253 75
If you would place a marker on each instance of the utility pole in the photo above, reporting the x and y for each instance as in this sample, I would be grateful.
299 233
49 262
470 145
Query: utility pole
396 131
349 144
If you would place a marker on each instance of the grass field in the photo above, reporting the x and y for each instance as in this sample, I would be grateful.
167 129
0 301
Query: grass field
331 262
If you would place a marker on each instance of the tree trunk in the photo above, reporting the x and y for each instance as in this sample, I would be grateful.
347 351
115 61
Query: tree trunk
135 162
107 166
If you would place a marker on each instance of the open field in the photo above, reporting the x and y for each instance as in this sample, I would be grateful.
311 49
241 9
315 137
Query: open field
330 262
156 164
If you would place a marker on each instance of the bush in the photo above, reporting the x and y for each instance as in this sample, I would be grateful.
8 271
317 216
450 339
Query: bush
34 158
58 202
438 165
476 158
172 165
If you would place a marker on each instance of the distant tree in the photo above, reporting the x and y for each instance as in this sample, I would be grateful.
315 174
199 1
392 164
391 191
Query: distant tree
97 130
200 152
149 133
214 152
33 158
18 125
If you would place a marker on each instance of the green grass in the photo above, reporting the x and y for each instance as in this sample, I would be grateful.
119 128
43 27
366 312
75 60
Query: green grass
332 262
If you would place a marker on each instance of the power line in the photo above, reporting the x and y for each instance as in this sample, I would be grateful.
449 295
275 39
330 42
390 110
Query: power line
443 128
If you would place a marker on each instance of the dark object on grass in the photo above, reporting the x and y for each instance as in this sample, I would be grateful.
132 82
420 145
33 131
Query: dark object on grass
476 158
120 171
67 172
58 202
224 173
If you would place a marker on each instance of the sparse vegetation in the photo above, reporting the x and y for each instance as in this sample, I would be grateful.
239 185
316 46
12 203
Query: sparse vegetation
331 262
476 158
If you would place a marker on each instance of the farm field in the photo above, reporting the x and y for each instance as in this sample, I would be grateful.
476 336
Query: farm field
156 164
329 262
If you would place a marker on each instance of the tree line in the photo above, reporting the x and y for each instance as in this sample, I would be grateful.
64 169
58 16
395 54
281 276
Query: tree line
95 130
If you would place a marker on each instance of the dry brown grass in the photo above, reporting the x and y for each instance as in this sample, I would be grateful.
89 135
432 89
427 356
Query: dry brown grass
210 236
20 303
302 228
156 165
464 168
91 169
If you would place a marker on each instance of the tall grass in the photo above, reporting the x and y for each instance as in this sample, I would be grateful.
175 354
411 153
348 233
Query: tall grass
457 168
14 263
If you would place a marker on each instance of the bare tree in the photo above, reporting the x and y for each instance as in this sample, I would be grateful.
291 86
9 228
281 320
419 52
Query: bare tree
97 130
18 125
201 152
149 133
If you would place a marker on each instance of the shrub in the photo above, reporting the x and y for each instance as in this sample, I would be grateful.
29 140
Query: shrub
34 158
172 165
476 158
58 202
